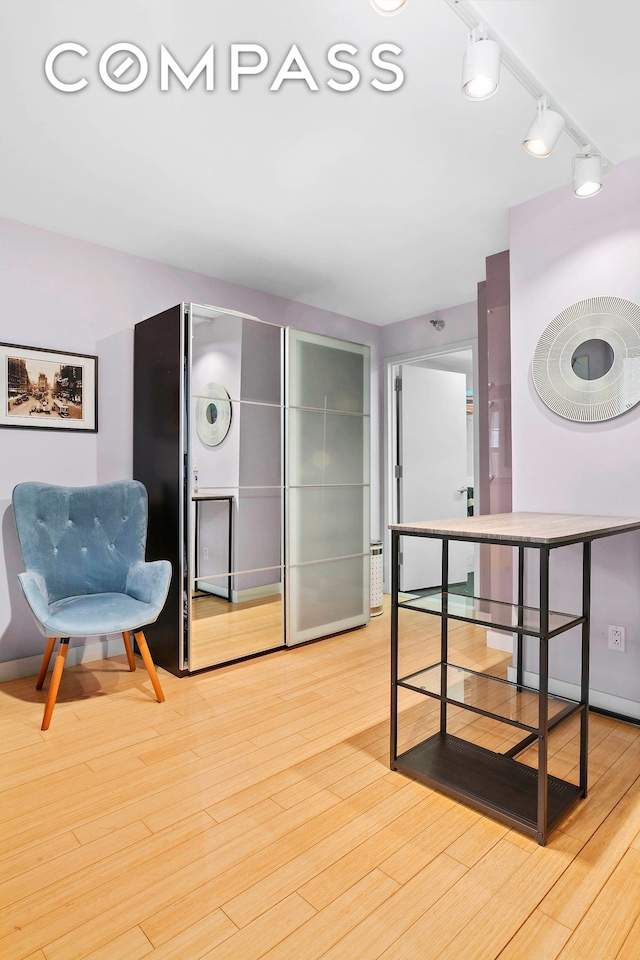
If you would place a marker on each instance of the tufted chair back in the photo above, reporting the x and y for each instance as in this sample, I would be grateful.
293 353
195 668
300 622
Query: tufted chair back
81 540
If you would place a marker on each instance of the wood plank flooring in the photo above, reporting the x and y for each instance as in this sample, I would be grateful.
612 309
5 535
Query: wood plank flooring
253 815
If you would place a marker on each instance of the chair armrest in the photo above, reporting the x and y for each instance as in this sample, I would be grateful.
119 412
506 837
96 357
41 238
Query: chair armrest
36 595
149 582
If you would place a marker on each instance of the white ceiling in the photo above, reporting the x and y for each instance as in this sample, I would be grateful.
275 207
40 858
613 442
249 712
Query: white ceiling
377 206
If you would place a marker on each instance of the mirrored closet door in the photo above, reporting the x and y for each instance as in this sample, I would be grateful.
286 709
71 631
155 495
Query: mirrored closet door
234 454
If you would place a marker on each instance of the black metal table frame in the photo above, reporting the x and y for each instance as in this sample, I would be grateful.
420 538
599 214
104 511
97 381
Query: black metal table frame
197 500
543 634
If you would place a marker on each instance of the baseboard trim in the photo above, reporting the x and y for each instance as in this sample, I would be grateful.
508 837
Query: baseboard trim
240 596
607 702
82 653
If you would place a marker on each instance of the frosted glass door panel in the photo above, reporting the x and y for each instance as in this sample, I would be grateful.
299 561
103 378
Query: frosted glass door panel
328 448
328 522
328 374
326 598
327 482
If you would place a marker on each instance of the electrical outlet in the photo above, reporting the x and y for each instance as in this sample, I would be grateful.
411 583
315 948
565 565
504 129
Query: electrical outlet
205 554
616 638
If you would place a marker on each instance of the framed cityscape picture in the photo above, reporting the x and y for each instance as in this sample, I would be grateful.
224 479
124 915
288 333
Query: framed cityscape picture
44 389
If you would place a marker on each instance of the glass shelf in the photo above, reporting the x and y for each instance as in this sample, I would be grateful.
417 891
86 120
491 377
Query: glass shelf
488 695
493 613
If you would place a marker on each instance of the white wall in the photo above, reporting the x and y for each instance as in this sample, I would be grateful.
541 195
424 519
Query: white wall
67 294
216 352
564 250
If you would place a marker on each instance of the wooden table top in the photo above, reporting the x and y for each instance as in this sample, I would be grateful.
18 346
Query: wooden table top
524 527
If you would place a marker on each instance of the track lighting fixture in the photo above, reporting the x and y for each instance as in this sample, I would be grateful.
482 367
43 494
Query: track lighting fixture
388 7
438 324
548 124
587 174
481 66
543 133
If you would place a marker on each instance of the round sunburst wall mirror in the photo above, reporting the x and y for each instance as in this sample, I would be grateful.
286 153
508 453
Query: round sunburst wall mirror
586 366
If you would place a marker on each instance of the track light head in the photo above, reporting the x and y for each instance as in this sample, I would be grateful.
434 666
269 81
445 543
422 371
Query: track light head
388 7
587 174
438 324
542 135
480 68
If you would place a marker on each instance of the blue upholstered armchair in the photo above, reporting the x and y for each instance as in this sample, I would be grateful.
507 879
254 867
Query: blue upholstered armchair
83 549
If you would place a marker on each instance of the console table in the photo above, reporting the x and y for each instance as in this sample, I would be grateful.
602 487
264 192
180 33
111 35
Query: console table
199 498
530 800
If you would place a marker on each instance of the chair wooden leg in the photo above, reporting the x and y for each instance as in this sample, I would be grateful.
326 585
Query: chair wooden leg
129 650
148 662
51 642
56 676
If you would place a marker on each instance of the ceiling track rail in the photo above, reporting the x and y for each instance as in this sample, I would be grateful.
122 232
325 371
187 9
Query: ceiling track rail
467 13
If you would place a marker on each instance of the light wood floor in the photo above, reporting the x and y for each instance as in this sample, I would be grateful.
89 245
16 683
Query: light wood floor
254 815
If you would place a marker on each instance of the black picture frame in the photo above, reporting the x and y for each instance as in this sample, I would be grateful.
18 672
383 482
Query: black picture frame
46 389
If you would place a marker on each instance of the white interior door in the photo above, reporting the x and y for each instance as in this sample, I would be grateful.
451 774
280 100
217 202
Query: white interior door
433 483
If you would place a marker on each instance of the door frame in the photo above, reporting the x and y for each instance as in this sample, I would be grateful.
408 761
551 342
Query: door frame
390 431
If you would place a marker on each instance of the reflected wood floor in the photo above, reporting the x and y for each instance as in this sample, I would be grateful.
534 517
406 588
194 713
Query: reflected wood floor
222 631
253 815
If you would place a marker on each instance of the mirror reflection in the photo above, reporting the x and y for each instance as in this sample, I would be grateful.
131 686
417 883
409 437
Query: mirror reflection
592 359
235 547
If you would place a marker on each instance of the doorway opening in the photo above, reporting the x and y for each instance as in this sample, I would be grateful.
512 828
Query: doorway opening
432 460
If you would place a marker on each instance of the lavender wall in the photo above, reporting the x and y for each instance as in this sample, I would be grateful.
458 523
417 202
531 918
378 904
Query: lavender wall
68 294
564 250
417 333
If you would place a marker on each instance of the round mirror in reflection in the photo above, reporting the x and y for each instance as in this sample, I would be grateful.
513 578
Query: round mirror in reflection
213 413
592 359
